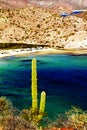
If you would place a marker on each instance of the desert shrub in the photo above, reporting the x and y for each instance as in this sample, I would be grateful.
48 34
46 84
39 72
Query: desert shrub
77 118
12 122
5 107
13 119
28 115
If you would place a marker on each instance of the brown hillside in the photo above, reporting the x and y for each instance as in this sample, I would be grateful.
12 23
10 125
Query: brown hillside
39 26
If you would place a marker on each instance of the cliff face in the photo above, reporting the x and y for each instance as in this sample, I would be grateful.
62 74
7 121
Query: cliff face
36 25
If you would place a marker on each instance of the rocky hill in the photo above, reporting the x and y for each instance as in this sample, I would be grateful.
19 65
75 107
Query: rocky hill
54 4
58 4
36 25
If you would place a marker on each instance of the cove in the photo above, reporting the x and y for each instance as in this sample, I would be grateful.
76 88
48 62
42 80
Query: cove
63 77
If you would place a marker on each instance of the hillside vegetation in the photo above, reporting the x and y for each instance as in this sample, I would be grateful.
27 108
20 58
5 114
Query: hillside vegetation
36 25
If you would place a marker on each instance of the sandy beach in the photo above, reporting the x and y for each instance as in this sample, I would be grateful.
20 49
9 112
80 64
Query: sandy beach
20 52
40 51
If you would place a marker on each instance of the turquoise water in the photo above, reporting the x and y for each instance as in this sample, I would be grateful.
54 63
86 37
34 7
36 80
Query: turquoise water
63 77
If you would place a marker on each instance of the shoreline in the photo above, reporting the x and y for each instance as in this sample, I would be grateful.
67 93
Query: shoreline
40 51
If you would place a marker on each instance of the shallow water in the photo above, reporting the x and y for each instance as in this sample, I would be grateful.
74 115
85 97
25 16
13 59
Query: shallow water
63 77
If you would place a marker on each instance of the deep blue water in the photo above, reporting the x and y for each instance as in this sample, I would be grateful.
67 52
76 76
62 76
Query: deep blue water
63 77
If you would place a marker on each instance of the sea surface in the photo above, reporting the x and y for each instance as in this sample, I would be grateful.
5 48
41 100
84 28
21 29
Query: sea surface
63 77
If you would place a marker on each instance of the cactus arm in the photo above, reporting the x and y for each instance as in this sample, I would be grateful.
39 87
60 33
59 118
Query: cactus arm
42 102
42 106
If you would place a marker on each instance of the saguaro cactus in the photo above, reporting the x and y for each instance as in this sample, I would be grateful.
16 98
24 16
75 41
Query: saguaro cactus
34 87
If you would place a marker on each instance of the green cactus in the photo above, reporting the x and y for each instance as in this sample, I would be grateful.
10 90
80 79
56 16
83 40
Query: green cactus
42 102
38 112
42 105
34 87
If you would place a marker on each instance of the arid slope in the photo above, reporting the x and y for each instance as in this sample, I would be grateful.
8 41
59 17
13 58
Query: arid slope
37 25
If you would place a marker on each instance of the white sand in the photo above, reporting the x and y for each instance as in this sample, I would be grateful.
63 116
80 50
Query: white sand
12 52
40 51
